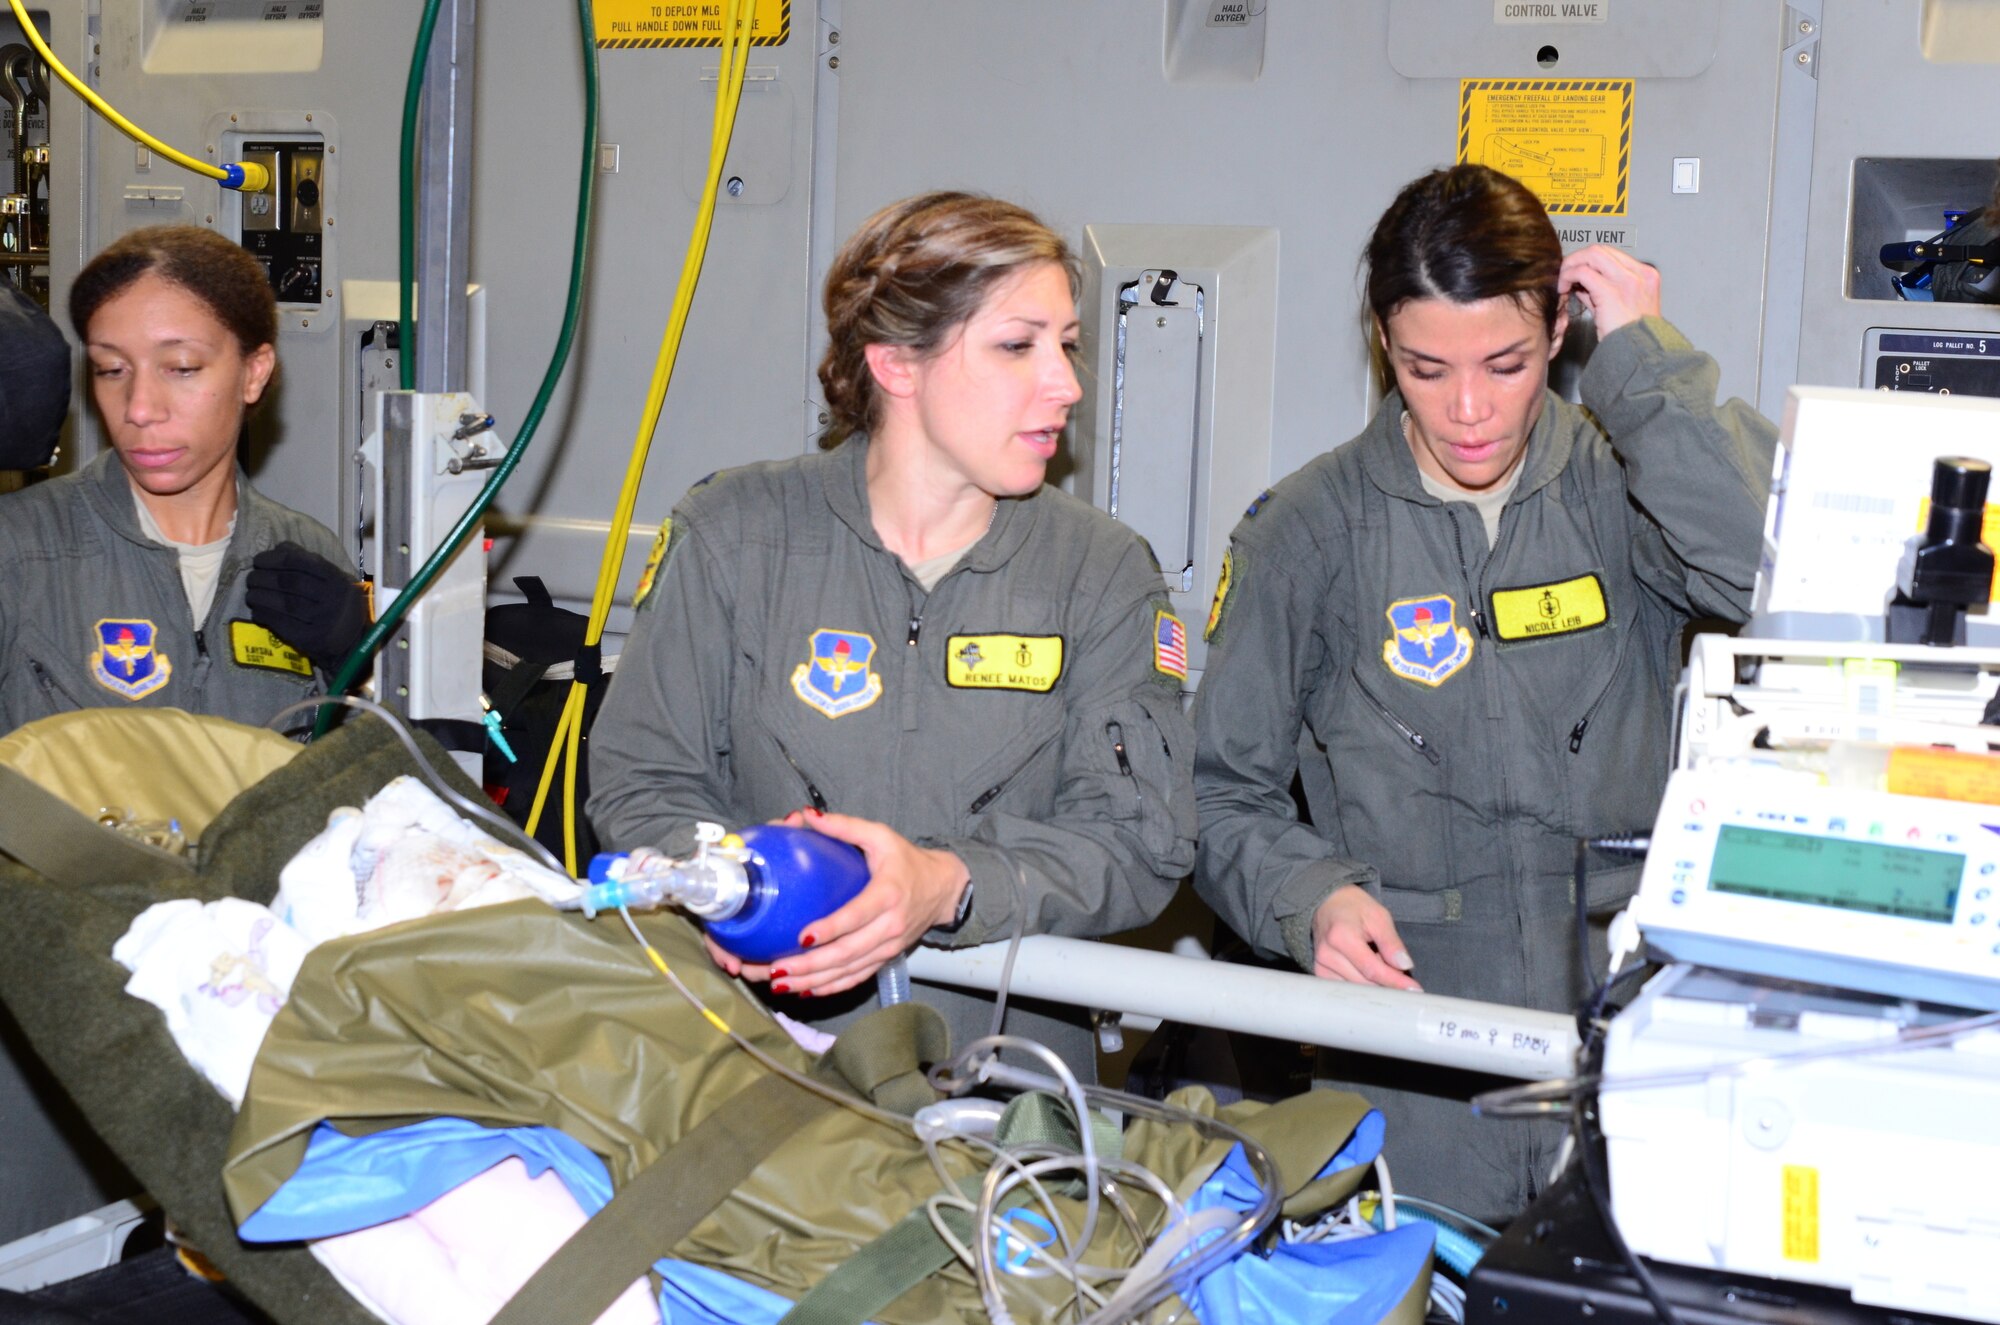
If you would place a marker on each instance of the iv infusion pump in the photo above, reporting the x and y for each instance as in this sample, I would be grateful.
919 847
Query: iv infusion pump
1778 876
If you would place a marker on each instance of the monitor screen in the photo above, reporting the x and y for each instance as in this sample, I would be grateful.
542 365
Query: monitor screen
1832 871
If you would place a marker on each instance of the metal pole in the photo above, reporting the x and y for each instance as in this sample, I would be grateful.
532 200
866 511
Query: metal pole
444 202
1284 1005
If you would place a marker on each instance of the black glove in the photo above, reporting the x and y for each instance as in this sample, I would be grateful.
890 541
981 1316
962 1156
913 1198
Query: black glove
308 602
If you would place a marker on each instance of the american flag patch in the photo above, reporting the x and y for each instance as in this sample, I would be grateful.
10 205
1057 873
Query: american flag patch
1170 645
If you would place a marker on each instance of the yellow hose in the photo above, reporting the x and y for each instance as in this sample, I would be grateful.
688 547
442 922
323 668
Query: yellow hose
566 747
246 176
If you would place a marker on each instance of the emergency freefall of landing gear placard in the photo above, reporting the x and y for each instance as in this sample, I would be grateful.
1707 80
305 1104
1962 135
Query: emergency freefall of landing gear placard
1568 139
666 24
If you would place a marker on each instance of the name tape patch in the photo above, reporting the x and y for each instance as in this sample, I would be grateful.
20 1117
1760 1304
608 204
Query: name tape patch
1549 609
1003 662
253 646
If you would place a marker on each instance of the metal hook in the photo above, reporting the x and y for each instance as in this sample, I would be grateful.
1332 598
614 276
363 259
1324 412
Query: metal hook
16 95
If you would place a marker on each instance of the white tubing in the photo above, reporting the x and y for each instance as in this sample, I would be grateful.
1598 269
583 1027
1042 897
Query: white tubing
1284 1005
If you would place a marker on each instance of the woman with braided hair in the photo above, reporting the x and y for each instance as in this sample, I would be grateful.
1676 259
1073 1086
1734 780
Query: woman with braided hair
911 643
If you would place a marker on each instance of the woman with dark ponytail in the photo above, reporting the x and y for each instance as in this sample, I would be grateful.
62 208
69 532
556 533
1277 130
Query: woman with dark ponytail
911 643
1471 611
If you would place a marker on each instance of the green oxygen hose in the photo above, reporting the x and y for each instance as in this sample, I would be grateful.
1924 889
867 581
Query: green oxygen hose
392 616
406 222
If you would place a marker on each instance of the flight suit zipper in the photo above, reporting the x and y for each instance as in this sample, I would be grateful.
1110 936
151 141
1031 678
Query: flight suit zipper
992 793
1477 592
55 693
1617 668
1408 733
1116 732
813 796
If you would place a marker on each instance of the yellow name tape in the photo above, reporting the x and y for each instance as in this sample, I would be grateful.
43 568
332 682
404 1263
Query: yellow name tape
1549 609
253 646
1004 662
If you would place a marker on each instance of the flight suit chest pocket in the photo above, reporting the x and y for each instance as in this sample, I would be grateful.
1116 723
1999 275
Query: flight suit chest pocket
1022 775
1149 767
49 681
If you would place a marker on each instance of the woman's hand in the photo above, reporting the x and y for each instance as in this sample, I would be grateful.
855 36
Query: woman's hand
1616 287
910 890
1355 940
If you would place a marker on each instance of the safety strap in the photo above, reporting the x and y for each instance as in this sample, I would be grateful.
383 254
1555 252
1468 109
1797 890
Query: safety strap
54 839
860 1287
882 1056
651 1214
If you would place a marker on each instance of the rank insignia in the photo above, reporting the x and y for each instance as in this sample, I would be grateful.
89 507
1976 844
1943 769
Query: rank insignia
127 660
1426 644
836 681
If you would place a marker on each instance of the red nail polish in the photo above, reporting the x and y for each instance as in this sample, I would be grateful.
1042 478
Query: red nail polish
805 993
817 813
780 973
807 940
779 987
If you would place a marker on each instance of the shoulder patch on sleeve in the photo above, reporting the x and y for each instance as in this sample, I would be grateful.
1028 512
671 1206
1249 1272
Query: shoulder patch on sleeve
655 559
1169 645
1250 511
1223 584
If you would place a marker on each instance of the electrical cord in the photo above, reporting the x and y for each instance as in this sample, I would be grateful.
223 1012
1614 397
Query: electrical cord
1631 844
247 176
1590 1152
406 598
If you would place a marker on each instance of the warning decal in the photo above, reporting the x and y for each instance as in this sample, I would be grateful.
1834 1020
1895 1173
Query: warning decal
1568 139
661 24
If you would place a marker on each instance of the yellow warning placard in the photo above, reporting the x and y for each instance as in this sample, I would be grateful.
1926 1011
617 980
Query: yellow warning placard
1567 139
1800 1213
664 24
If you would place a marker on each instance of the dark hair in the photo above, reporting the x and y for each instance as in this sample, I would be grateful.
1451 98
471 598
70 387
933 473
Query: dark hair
912 274
1465 234
221 273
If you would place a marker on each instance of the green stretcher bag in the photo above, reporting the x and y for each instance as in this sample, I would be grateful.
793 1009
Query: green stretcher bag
509 1015
69 888
518 1015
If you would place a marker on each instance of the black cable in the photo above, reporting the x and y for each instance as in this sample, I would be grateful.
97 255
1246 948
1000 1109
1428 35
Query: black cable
1589 1139
1591 1005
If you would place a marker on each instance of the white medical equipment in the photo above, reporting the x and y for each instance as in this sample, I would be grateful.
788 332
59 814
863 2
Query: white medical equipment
1812 1091
1763 871
1850 483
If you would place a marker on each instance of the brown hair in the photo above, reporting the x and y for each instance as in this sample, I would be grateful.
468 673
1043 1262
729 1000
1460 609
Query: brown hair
1465 234
911 275
219 272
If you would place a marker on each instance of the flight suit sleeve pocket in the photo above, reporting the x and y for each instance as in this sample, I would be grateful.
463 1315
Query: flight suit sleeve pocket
1151 753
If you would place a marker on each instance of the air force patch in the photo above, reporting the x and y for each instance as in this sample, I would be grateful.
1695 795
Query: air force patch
836 680
127 660
1426 643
